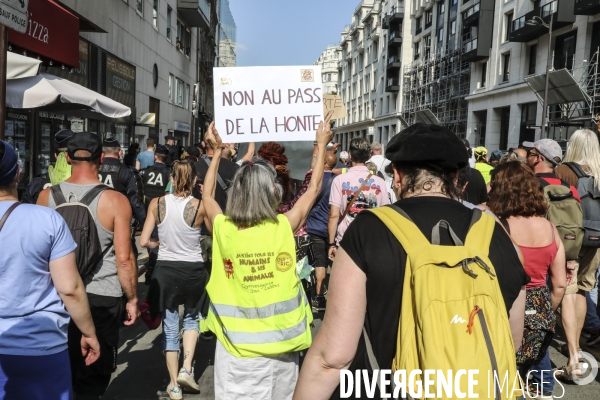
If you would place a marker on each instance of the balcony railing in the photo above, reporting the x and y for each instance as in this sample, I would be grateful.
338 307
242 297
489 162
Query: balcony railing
196 13
471 10
470 45
544 11
394 59
395 34
587 7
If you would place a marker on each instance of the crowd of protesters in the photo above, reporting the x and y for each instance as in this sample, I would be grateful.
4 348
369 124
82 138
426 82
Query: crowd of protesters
249 258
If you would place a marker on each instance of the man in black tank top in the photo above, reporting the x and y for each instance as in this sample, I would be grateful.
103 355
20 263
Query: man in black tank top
155 179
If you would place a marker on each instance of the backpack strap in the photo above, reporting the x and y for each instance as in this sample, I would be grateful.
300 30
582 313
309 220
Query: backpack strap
7 213
402 227
92 194
355 196
481 232
196 214
219 179
57 194
576 168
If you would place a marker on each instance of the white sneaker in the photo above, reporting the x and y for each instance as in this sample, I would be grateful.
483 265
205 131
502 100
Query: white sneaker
174 392
186 380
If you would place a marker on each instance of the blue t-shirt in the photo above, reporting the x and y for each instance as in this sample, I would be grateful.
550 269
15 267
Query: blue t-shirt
318 217
146 159
33 319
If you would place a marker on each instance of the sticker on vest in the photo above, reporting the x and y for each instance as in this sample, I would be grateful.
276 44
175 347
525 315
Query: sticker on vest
284 262
228 268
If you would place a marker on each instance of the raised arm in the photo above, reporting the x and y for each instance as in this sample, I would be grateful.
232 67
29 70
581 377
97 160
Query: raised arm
209 205
297 215
250 153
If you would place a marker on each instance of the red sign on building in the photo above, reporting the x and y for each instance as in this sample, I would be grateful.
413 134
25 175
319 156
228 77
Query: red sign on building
52 32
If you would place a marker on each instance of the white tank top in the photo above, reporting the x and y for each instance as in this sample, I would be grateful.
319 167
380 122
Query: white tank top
178 240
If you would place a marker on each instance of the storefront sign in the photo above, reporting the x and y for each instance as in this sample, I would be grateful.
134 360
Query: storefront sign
76 124
60 117
182 126
51 31
261 104
13 14
120 81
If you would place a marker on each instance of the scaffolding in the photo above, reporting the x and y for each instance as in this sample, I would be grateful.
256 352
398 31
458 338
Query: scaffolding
592 85
440 82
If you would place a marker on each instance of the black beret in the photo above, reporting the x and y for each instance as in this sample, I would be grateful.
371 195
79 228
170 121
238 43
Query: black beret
62 137
170 137
162 149
433 146
193 151
110 142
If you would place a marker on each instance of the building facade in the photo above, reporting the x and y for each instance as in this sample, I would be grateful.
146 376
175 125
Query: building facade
504 111
328 61
226 36
369 79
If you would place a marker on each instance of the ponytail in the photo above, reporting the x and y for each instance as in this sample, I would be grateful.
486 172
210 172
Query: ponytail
184 175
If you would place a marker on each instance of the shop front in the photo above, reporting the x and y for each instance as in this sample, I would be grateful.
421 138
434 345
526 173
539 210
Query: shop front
181 131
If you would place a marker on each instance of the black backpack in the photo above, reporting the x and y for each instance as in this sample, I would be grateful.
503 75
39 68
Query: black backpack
590 205
82 225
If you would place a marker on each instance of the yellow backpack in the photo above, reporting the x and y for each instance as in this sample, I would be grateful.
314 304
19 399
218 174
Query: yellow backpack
453 315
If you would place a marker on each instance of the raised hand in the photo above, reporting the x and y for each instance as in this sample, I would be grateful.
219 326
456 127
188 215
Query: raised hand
324 133
212 138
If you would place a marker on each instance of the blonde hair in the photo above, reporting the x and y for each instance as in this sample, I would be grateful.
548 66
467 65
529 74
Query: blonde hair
184 176
584 149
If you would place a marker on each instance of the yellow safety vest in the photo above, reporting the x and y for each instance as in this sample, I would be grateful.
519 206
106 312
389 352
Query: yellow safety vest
258 305
485 170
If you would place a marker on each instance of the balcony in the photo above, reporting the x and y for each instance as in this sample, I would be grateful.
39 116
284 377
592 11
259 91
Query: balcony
418 30
395 17
348 56
473 51
339 65
195 13
395 39
360 46
375 34
587 7
392 85
394 62
471 15
563 15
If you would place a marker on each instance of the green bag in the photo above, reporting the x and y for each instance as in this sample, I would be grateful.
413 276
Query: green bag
564 211
61 171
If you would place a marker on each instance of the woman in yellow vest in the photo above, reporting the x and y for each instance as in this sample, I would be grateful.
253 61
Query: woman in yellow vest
481 164
259 311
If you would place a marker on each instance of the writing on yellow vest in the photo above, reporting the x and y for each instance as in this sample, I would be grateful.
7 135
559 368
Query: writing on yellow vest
258 305
486 171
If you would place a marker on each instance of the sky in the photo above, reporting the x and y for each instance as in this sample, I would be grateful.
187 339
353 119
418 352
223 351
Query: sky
288 32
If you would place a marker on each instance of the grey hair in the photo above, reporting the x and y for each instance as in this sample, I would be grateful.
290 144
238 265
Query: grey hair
376 146
113 151
254 194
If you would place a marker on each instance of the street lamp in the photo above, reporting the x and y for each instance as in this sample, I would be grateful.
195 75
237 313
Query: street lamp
538 21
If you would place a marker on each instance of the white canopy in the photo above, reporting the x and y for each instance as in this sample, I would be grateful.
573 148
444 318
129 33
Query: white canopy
57 94
19 66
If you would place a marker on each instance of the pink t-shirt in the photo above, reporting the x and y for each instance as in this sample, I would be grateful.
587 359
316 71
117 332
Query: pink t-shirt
373 195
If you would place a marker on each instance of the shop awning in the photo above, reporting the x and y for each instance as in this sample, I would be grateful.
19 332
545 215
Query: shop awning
20 66
49 92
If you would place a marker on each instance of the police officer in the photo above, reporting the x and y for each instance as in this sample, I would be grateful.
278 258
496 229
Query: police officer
173 152
155 179
41 182
119 177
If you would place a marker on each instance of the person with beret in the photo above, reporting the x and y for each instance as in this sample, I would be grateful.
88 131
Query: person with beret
43 181
367 279
112 287
119 177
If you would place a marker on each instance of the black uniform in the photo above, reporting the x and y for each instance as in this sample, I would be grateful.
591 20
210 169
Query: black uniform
34 188
119 177
155 179
173 154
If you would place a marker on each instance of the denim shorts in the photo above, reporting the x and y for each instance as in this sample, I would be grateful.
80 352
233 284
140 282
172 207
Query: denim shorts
170 325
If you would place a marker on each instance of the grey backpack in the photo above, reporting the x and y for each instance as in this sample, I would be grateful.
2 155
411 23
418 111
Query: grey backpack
590 205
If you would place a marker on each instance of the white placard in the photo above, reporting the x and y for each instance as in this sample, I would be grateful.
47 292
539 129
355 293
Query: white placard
13 14
262 104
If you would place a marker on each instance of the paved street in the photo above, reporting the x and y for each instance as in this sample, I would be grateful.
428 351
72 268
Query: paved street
142 374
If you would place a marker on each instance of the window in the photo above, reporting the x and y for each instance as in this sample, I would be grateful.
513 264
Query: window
508 27
427 46
179 37
187 42
453 27
483 74
171 88
440 35
418 26
416 47
428 18
454 2
187 97
139 6
155 14
179 94
532 59
505 67
441 8
169 15
375 52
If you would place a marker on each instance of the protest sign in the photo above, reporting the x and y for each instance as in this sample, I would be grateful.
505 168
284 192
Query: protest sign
334 102
261 104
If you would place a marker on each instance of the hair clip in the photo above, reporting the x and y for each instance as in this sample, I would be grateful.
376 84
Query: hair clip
250 163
